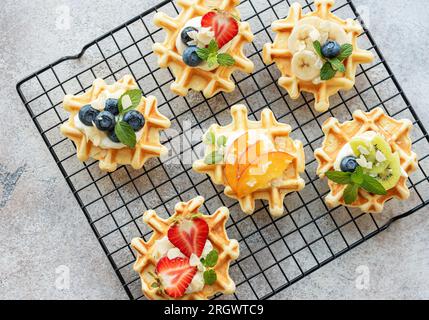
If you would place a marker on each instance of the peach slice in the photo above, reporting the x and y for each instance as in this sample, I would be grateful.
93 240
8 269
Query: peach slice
262 171
232 160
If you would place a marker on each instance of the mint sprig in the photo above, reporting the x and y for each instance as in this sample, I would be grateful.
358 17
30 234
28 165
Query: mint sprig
212 56
210 277
332 66
217 155
134 96
354 181
125 134
210 261
130 100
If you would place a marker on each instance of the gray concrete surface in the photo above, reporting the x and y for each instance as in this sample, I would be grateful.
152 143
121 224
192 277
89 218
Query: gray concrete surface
42 227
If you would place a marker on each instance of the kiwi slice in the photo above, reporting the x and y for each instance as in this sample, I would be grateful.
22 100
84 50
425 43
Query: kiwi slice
389 177
357 144
380 144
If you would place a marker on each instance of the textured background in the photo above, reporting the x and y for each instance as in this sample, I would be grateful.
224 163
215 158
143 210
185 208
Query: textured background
42 227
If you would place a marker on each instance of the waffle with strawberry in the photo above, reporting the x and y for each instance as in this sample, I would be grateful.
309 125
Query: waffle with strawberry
188 255
204 46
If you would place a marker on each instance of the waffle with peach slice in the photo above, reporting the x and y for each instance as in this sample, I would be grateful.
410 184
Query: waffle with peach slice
254 160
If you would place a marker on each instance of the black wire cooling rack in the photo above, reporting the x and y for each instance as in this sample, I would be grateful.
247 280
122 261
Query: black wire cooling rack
275 253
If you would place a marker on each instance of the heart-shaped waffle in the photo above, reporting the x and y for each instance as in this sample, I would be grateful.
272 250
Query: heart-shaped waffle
147 147
228 250
278 134
209 82
279 53
396 133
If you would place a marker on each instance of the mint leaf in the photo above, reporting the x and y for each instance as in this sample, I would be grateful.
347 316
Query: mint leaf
211 259
371 185
212 59
135 97
221 141
210 277
327 72
351 193
339 177
213 47
346 51
126 134
210 138
337 65
214 158
225 59
203 53
357 176
318 48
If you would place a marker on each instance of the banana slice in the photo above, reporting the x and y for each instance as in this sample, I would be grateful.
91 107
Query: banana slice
312 21
303 37
328 30
337 34
306 65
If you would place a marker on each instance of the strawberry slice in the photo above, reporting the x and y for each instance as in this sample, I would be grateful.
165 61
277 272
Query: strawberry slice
225 27
175 275
189 236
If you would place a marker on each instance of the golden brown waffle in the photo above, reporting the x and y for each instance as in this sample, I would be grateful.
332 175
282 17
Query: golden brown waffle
278 133
209 82
147 147
279 53
338 134
228 250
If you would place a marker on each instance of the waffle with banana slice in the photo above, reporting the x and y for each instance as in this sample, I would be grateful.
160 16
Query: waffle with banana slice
218 20
93 143
254 160
168 272
316 52
380 144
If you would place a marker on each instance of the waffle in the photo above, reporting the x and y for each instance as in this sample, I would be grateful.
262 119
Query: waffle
338 134
279 53
186 78
278 133
228 250
147 147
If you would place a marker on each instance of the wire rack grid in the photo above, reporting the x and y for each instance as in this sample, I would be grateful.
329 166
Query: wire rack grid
275 253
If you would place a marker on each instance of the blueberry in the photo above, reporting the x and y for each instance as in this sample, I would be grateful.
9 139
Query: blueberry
112 136
87 115
331 49
349 164
111 106
190 56
135 119
105 121
184 35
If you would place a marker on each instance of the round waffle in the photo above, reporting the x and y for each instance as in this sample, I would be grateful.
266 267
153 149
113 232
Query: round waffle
278 133
396 133
186 77
147 147
228 250
279 53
